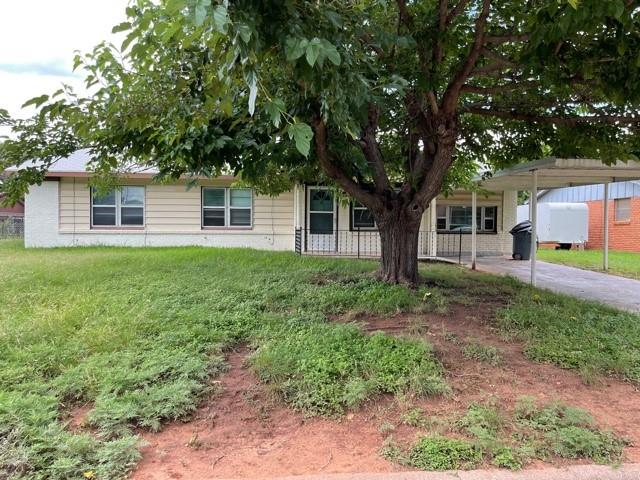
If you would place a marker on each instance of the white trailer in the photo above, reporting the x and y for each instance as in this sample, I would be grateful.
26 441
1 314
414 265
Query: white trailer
563 223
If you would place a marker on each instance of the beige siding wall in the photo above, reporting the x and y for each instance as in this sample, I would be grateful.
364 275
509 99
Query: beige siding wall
173 216
174 209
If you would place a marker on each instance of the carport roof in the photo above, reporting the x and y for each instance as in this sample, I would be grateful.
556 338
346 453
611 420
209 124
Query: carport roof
560 172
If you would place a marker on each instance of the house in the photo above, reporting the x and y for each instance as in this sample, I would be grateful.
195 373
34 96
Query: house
64 211
624 205
16 211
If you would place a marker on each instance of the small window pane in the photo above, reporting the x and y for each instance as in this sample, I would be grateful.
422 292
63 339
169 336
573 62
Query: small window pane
442 224
239 217
106 199
132 196
362 218
321 223
240 197
321 201
490 219
623 209
132 216
460 217
104 216
213 217
213 197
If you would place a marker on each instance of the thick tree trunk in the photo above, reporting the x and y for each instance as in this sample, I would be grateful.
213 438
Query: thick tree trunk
399 242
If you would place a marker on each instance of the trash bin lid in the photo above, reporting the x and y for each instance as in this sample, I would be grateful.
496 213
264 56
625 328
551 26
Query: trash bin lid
521 227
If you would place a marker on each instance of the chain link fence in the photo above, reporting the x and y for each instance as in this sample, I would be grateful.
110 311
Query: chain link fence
11 227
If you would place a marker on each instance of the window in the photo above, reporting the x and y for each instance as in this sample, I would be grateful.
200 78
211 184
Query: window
441 213
321 211
121 207
622 207
458 217
361 216
226 207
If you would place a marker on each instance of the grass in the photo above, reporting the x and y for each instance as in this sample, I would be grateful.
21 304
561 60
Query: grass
483 353
512 439
138 335
625 264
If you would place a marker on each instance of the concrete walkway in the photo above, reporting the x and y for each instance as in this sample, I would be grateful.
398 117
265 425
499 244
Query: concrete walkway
619 292
578 472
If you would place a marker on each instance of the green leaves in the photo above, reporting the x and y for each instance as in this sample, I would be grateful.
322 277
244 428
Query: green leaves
252 82
200 9
314 47
122 27
274 109
302 134
220 18
294 48
331 52
315 51
36 101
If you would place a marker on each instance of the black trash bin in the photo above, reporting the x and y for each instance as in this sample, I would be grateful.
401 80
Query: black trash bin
522 234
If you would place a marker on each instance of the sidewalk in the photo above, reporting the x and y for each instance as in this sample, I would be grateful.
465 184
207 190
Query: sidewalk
578 472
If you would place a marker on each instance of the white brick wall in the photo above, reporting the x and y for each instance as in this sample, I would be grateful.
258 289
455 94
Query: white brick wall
42 230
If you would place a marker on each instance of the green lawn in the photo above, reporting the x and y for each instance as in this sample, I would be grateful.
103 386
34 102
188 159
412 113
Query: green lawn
625 264
137 334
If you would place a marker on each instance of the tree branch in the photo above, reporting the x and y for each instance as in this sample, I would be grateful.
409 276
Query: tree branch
452 92
438 51
493 89
457 10
508 38
372 152
335 172
407 21
551 119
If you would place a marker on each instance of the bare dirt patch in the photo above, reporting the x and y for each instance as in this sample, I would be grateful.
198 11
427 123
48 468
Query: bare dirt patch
245 432
614 404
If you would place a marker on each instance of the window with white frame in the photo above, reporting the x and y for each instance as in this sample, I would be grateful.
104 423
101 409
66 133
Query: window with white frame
622 207
459 217
226 207
361 216
120 207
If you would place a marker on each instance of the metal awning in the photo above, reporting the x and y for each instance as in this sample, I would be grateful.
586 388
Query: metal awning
560 172
548 173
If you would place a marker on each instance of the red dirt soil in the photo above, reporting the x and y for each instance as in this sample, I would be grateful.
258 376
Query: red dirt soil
244 432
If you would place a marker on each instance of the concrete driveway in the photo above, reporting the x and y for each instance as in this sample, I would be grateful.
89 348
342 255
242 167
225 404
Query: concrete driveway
619 292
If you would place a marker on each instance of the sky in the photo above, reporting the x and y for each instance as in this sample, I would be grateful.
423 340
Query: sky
38 39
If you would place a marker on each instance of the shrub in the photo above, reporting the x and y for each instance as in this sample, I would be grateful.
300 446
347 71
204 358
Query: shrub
505 457
577 442
439 453
482 421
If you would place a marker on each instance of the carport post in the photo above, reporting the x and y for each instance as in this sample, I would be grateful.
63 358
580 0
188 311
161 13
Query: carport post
534 224
474 228
605 228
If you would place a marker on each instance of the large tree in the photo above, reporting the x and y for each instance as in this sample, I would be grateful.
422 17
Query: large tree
392 102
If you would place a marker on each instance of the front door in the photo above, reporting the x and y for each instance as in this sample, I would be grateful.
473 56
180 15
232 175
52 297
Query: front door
320 219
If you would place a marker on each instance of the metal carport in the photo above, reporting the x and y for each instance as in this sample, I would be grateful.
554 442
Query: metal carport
549 173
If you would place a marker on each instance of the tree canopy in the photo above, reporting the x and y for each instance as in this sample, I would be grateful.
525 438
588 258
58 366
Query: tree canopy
392 101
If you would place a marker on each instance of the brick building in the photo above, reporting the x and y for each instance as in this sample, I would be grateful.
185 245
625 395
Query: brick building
16 211
624 212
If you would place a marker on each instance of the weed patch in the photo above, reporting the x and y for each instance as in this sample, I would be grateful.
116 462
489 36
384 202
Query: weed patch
512 440
439 453
323 368
483 353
